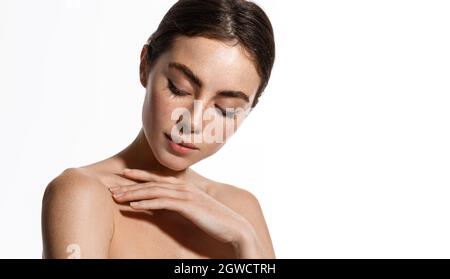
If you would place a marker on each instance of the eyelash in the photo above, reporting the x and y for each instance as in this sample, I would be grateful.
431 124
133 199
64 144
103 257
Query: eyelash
178 93
224 112
175 91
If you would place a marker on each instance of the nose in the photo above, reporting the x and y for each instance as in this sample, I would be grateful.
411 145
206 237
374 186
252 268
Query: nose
193 121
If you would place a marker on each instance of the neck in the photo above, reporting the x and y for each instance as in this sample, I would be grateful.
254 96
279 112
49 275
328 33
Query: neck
139 155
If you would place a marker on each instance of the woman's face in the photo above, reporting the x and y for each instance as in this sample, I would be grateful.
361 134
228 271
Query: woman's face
198 92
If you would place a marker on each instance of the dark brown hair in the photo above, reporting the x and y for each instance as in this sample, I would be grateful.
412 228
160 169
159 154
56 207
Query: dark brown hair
238 21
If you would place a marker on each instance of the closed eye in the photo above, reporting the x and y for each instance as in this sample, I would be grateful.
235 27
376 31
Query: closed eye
175 91
229 112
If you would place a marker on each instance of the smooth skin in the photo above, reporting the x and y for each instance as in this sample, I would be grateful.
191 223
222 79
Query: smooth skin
146 201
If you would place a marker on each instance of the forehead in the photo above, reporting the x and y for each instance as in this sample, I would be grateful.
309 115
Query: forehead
220 66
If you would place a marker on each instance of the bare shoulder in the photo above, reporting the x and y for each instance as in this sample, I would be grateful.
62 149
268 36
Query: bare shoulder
248 206
73 176
77 213
238 198
74 186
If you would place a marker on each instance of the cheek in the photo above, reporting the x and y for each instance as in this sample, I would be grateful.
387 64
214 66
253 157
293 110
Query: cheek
227 130
157 109
231 126
217 132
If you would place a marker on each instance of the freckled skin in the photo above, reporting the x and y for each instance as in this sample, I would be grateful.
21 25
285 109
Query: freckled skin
78 209
235 71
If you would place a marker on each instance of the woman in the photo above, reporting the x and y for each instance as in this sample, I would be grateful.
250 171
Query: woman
203 70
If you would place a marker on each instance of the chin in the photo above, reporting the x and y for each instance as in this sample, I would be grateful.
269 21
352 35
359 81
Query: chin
172 162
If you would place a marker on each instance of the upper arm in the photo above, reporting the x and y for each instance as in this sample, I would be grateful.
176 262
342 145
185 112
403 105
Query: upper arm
249 207
77 219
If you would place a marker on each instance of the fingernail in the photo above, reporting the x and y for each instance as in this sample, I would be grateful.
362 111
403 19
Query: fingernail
114 188
134 204
125 170
116 195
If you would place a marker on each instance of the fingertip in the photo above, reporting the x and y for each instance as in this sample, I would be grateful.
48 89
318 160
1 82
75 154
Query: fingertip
134 204
126 171
113 188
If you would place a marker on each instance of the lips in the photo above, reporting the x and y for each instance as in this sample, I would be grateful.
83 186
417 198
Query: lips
184 144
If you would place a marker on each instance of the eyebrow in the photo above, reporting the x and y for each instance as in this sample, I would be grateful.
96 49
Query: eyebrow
197 81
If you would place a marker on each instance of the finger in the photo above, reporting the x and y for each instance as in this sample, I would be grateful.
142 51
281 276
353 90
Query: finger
127 208
148 176
126 188
151 193
159 203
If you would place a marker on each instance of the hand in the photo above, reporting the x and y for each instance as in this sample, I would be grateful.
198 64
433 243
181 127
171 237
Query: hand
210 215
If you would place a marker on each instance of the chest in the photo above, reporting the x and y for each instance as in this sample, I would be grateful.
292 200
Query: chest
163 235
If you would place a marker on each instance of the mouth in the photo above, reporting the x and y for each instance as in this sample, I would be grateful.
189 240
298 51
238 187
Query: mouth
181 143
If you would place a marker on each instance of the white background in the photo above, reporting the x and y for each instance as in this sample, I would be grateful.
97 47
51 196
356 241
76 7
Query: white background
347 151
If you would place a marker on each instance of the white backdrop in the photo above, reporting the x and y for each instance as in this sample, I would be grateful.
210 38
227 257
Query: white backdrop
347 151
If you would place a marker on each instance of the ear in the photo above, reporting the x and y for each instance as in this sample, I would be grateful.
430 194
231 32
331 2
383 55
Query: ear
143 68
